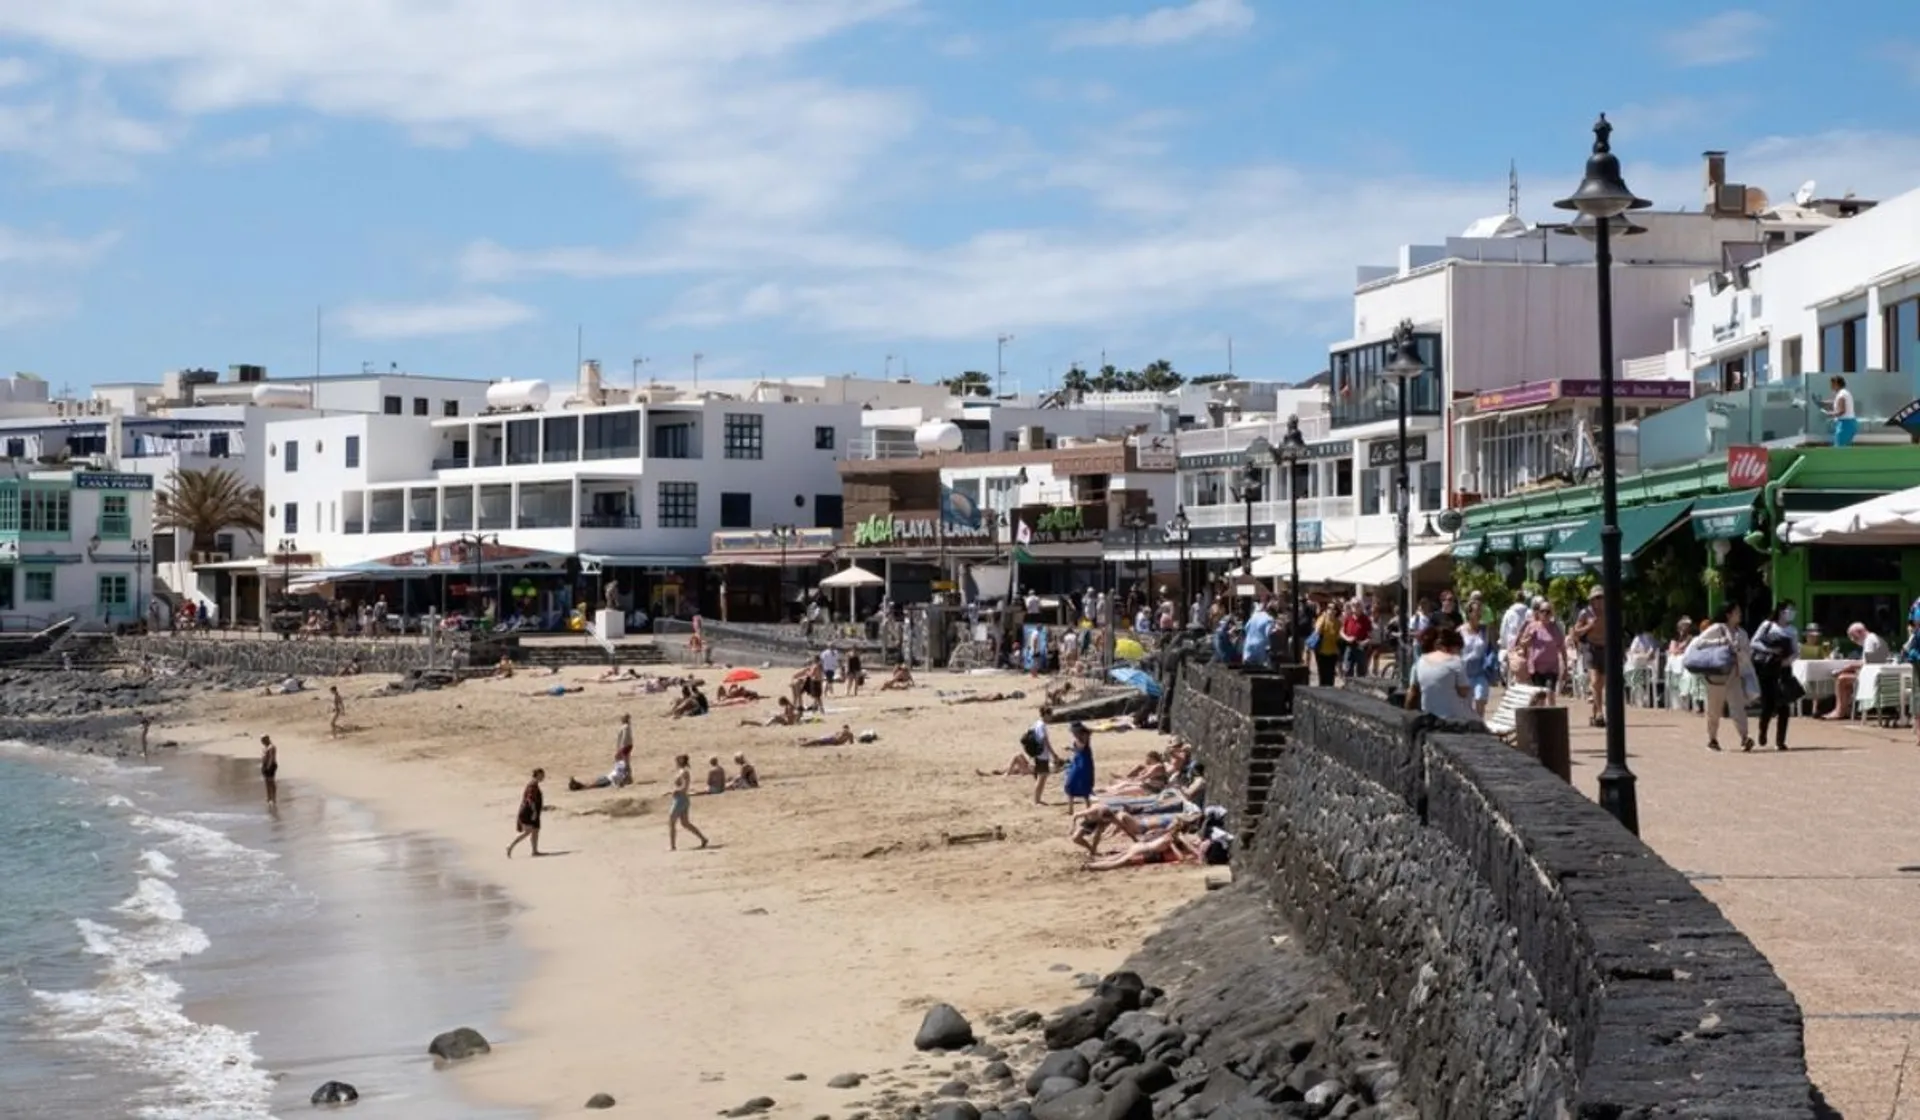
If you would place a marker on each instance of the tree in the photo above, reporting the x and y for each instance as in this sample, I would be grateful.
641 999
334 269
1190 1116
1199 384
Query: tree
1210 379
1108 380
1159 377
1075 382
204 504
972 383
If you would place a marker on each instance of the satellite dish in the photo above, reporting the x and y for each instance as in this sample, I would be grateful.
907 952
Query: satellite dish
1805 194
1449 520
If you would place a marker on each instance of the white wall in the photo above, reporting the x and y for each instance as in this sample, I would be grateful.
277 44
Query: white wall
1833 263
78 561
1510 324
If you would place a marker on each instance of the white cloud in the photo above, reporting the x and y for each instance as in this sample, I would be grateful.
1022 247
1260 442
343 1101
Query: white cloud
39 272
1161 26
17 72
476 314
1730 36
698 99
78 132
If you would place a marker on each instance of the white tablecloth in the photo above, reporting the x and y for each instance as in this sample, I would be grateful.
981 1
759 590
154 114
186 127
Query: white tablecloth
1811 673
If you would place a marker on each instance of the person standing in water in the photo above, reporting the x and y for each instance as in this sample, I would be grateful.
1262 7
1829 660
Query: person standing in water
682 803
339 711
270 768
146 726
527 819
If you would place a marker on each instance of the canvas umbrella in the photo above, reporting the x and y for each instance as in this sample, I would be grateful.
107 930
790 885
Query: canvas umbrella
852 578
1137 678
1890 519
736 676
1129 649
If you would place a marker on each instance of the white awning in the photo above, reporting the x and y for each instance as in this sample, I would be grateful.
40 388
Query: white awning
1890 519
1320 566
1384 568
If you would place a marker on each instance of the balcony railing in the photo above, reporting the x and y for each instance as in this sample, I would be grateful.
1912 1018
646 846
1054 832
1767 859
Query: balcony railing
1784 411
423 524
385 525
450 463
881 447
609 521
1234 515
1314 427
355 527
487 459
496 521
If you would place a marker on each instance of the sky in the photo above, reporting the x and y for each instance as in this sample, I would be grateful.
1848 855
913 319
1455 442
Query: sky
490 188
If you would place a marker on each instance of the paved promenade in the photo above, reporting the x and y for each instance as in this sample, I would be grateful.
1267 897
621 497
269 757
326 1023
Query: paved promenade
1803 850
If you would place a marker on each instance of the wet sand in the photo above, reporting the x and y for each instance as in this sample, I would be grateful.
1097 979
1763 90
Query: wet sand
829 913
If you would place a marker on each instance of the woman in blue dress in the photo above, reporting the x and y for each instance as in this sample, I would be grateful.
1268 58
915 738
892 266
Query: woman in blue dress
1078 778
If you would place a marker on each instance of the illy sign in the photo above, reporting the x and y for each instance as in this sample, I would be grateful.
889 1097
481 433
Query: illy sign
1746 467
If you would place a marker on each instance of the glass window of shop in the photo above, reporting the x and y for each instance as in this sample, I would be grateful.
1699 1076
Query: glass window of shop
1901 324
1843 346
1373 484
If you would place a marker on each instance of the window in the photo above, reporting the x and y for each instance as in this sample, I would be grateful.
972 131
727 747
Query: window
1371 484
46 512
1364 393
39 587
1433 485
390 406
1343 478
823 437
523 441
1757 362
1901 326
16 449
291 521
290 462
113 595
610 435
353 451
1843 346
673 441
679 505
560 439
449 408
9 508
114 522
220 445
223 542
736 511
744 438
826 511
1790 363
420 406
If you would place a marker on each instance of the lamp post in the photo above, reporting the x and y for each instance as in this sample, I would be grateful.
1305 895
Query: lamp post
1252 474
784 535
1138 521
1290 454
1177 531
1000 362
475 545
1403 366
141 551
1603 197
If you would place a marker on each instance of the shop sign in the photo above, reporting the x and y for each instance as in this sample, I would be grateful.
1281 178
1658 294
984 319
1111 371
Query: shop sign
98 480
1155 453
1502 542
880 531
1565 566
1063 524
1382 452
1537 540
1746 467
1306 536
1213 460
1723 525
766 540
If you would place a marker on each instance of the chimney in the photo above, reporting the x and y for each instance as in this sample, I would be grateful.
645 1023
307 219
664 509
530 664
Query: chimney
1716 177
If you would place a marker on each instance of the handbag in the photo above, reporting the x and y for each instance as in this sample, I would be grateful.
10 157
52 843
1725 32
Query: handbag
1313 641
1791 690
1714 660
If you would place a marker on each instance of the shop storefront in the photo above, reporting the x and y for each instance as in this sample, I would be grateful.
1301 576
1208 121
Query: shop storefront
761 575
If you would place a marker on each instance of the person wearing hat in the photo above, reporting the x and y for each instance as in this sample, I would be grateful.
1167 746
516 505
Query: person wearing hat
1590 634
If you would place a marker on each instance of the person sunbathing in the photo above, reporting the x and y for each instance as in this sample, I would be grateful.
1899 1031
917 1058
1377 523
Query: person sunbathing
1092 824
557 690
503 669
692 701
1168 847
902 679
716 776
1144 780
986 697
840 738
749 778
787 716
621 775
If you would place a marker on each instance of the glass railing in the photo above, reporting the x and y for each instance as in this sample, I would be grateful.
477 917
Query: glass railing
1788 410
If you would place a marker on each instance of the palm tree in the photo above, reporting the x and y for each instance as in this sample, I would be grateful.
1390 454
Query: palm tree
972 383
1075 382
1160 377
1108 380
204 504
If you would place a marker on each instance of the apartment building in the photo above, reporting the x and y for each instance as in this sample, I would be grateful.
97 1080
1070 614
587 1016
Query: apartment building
74 543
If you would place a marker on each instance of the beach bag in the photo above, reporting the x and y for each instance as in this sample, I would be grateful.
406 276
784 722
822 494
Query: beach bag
1714 660
1030 743
1313 642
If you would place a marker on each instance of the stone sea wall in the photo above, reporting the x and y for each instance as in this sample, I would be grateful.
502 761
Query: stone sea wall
1523 954
295 657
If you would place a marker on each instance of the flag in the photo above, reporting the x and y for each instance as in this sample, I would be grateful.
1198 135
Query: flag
1021 555
1024 534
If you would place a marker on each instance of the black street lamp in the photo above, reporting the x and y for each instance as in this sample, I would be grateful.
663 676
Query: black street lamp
1252 475
1290 454
474 545
1177 532
1403 366
1603 198
785 535
1139 521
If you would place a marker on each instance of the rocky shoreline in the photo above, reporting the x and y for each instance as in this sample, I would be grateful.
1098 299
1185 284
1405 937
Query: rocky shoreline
97 711
1247 1027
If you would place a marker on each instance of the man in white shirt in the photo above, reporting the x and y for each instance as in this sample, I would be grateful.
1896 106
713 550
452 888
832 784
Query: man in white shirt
1874 650
830 667
1511 623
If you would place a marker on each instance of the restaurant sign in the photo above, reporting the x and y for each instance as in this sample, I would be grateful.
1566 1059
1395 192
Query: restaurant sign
100 480
1547 392
767 540
1381 452
1063 524
910 531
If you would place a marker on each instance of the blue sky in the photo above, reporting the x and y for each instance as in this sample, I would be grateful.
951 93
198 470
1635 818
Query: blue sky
807 186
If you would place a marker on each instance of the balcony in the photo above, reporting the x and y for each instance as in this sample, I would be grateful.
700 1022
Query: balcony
451 463
609 521
1213 441
419 524
385 525
1784 412
487 459
881 447
355 526
1234 515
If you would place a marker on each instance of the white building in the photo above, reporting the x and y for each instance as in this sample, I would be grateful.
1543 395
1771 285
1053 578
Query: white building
74 543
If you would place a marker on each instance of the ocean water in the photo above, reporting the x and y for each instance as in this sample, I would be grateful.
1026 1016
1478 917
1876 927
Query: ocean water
171 950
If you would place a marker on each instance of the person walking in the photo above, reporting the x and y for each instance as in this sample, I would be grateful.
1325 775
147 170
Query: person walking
1776 645
1728 691
1040 755
526 819
1846 423
1544 647
1590 638
679 810
1356 634
339 711
1475 654
1078 778
146 729
1326 643
270 769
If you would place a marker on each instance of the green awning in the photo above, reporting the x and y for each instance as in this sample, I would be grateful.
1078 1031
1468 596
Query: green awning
1543 537
1569 556
1640 526
1468 546
1724 517
1503 540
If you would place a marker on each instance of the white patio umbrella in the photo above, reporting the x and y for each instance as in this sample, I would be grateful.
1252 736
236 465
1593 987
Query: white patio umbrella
1890 519
852 578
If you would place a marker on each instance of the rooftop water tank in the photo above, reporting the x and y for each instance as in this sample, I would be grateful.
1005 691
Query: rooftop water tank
518 394
281 396
937 435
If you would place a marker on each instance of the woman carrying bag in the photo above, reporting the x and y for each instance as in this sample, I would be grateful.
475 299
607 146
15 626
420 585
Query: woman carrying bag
1723 657
1775 646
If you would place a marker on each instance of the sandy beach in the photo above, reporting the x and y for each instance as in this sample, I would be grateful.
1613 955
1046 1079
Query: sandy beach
829 913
